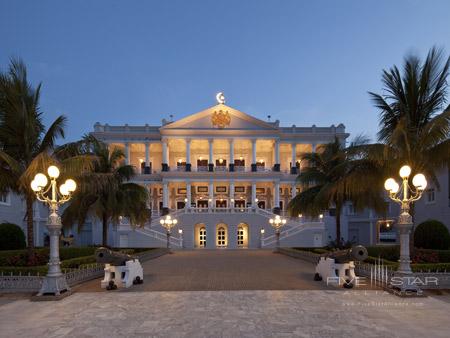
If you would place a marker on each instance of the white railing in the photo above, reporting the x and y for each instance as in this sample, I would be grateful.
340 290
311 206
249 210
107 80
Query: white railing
202 168
176 241
291 231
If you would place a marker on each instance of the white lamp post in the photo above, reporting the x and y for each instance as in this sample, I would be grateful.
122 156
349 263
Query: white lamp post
180 232
55 282
405 195
168 223
277 223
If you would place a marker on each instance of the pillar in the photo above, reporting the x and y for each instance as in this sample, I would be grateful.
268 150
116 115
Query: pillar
276 207
147 158
232 194
254 155
253 194
165 210
188 194
188 155
293 190
294 158
165 156
231 165
211 195
313 147
127 153
276 166
211 159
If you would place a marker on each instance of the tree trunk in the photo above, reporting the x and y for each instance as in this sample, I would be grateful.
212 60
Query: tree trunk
105 230
338 228
30 225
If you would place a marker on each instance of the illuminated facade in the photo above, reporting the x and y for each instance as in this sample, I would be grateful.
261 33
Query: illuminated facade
222 173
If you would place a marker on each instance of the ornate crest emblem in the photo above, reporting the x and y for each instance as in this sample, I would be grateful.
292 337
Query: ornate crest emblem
221 119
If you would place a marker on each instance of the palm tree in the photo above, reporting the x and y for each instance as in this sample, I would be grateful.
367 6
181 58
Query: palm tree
333 177
414 121
105 192
25 145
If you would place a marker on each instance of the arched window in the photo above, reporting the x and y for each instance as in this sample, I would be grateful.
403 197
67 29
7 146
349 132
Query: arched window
221 236
240 236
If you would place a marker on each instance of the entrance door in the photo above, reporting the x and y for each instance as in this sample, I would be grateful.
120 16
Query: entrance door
262 204
202 237
181 205
221 237
239 204
221 203
202 204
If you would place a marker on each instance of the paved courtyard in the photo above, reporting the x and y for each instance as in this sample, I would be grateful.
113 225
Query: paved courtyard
201 270
287 313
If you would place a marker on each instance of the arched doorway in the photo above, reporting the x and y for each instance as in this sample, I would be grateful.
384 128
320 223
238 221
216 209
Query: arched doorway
200 235
221 235
242 235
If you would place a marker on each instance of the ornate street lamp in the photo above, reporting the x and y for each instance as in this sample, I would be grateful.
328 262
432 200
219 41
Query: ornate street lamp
168 223
55 282
405 195
277 223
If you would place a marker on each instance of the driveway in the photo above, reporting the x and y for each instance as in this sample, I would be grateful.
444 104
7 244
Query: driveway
209 270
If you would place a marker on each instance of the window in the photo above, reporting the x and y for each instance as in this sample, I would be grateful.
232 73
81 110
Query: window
4 198
430 197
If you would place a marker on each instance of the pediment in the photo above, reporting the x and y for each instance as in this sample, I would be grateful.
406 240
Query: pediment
220 117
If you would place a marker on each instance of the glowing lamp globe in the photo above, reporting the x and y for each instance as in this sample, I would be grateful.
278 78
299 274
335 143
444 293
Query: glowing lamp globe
53 171
64 190
161 222
389 184
175 221
71 185
271 221
405 171
419 181
41 180
283 221
35 186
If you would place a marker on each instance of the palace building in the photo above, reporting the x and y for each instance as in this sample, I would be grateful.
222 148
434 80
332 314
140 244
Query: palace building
223 174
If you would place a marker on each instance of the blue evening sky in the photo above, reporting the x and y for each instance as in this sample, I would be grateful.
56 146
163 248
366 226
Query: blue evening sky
136 62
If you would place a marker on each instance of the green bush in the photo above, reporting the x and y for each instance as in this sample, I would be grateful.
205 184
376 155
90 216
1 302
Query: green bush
376 260
388 252
437 267
75 263
23 270
11 237
432 234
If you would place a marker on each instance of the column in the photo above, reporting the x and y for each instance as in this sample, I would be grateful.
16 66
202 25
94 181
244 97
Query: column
211 194
147 158
165 156
188 154
276 166
254 155
313 147
294 158
231 194
165 198
127 153
211 159
188 194
293 190
276 208
231 165
253 194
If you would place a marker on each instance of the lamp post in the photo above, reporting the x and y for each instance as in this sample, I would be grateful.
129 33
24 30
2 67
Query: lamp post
277 223
405 195
168 223
180 232
55 282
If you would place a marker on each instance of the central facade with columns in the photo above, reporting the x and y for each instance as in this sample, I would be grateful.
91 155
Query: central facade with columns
221 172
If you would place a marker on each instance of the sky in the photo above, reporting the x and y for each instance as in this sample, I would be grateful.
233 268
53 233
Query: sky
136 62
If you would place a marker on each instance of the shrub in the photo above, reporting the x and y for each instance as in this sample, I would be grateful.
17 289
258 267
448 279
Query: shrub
388 252
11 237
432 234
437 267
75 263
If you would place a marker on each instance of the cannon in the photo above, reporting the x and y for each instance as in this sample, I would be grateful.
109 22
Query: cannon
121 270
338 267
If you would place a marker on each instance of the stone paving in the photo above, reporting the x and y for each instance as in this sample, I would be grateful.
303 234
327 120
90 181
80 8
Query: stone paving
285 313
201 270
244 294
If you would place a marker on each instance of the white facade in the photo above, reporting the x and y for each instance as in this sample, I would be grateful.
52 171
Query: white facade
222 173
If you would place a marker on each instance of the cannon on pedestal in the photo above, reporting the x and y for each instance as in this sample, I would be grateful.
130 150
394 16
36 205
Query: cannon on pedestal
121 270
338 267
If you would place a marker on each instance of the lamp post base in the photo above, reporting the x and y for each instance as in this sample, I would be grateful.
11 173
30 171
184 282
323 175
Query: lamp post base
53 288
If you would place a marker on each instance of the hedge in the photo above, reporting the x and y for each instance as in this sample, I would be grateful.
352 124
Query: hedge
432 234
11 237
